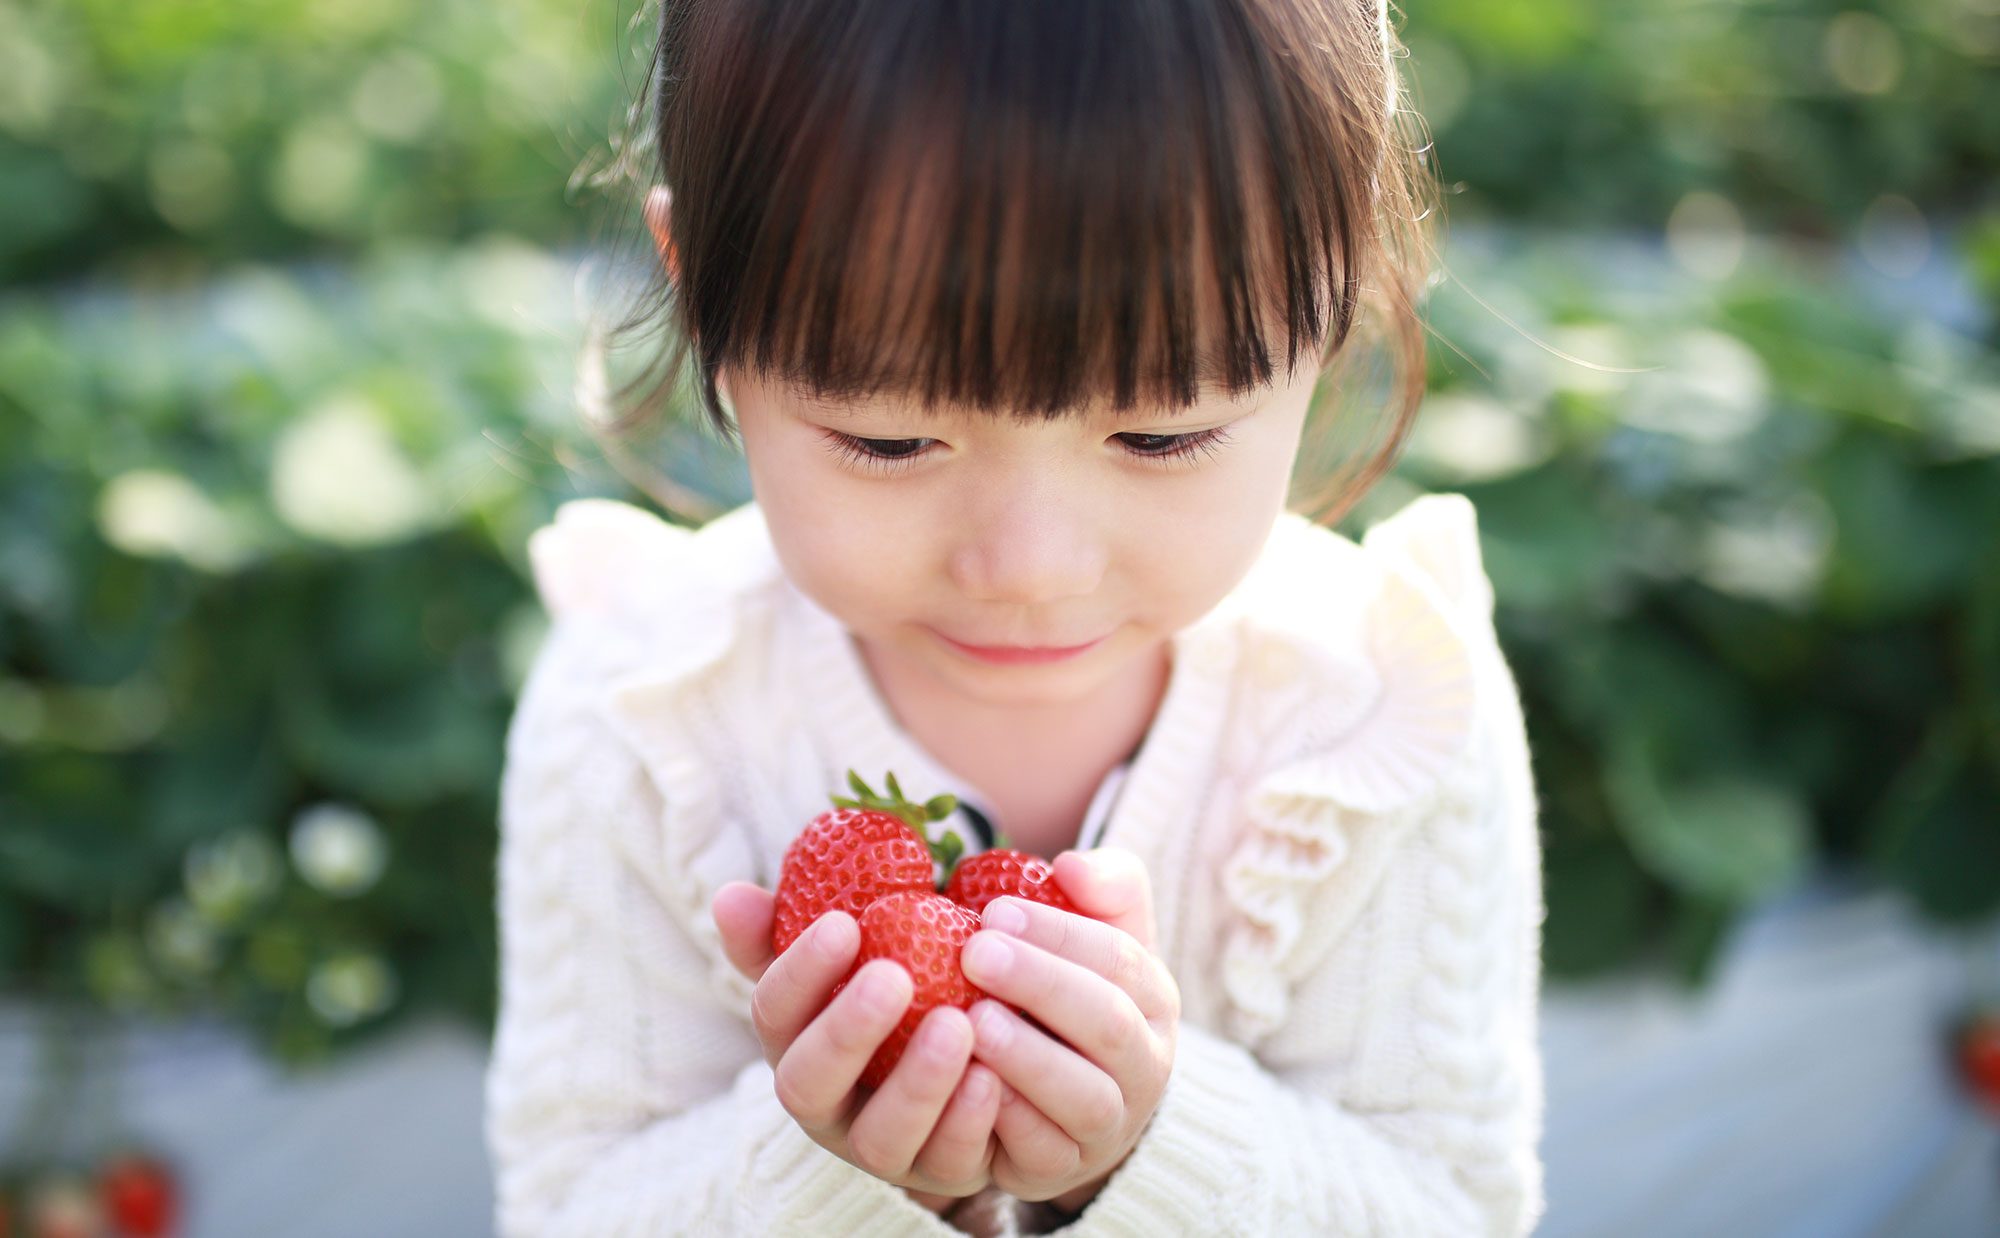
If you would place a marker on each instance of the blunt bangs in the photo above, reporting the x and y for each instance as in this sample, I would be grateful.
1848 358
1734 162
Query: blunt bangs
1034 207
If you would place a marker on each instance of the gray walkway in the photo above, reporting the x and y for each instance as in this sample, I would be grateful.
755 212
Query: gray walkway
1803 1097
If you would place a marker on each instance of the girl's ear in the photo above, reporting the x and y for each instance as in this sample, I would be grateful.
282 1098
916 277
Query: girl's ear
659 210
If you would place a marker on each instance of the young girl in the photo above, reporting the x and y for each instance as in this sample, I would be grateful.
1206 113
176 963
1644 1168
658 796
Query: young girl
1018 311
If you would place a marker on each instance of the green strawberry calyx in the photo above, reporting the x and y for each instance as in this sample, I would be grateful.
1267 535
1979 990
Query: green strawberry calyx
946 851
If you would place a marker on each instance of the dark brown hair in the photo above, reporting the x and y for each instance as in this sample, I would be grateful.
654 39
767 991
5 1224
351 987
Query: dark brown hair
1031 206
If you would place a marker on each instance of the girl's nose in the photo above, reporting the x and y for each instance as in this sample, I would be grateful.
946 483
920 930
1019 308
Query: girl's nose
1029 546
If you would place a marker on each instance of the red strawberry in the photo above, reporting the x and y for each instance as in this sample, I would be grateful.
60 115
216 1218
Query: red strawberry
139 1194
1979 1057
980 879
856 852
924 931
871 857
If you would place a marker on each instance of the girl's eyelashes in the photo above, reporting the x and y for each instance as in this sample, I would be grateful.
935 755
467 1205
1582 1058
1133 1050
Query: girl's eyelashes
870 453
890 454
1172 447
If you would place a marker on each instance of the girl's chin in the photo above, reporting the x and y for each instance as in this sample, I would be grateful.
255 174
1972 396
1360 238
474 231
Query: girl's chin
1022 692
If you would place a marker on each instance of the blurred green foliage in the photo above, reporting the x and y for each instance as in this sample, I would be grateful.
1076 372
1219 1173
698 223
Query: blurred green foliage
260 593
294 381
154 133
210 133
1746 551
1803 112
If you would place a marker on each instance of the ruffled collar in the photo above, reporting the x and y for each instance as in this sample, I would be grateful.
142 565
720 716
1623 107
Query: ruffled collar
1314 605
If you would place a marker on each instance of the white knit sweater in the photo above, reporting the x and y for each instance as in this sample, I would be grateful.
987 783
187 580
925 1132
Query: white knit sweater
1335 804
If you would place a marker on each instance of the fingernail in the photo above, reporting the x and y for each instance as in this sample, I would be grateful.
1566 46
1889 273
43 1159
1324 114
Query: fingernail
830 937
989 1025
1004 916
937 1039
881 991
990 955
978 1086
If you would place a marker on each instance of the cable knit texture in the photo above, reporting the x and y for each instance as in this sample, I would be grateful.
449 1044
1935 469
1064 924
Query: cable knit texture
1335 804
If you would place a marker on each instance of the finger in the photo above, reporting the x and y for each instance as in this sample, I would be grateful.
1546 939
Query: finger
798 983
1032 1148
1098 947
815 1077
1085 1102
743 916
1095 1017
957 1150
1110 884
896 1122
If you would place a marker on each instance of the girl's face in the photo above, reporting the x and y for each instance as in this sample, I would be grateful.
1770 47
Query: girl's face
997 532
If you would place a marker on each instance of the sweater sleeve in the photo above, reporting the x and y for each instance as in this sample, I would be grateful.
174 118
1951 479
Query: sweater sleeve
625 1095
1403 1092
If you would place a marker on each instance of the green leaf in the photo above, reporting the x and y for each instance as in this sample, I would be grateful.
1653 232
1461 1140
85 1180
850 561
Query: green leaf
1949 859
1598 904
230 774
1728 836
402 746
1628 676
948 851
1919 786
1907 535
1695 937
71 824
1933 833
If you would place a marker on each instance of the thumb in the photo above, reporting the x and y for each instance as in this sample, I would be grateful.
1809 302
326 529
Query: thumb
1110 884
743 914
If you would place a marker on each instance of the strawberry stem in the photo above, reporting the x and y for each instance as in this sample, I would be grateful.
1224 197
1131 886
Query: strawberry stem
946 851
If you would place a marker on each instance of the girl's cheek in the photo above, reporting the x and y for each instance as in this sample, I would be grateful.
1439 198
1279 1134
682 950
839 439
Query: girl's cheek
851 559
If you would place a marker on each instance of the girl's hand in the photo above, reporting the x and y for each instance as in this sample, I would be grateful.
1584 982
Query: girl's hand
1079 1098
929 1128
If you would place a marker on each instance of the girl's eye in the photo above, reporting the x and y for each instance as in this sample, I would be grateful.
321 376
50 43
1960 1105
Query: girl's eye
1176 447
889 454
880 454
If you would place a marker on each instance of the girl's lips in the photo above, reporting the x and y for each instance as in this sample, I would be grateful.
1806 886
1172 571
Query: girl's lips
1012 656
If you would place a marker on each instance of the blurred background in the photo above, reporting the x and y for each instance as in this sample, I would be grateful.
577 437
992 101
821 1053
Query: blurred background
290 304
